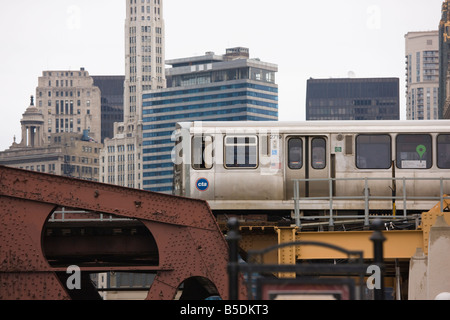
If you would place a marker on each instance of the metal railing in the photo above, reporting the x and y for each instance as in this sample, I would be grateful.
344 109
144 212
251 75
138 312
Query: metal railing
366 197
309 273
60 216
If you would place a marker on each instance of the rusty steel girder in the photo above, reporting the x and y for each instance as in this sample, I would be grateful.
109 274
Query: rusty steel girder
188 239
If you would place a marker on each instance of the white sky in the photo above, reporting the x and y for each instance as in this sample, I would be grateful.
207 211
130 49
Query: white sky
318 39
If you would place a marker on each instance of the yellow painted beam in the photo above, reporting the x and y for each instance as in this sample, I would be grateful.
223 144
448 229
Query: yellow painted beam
258 238
429 218
398 244
286 255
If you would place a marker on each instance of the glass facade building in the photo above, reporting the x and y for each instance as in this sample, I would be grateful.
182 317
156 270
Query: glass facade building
228 87
111 88
353 99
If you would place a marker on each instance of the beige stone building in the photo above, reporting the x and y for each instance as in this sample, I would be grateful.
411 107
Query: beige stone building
68 154
422 75
121 159
69 102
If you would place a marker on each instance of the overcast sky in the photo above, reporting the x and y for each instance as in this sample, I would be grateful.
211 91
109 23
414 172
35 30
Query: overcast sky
318 39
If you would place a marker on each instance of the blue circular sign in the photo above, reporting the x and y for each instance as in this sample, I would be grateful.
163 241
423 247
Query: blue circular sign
202 184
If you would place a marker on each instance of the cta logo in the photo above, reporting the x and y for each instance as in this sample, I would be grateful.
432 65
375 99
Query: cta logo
202 184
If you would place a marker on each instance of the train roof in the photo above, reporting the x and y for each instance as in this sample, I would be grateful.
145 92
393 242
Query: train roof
327 126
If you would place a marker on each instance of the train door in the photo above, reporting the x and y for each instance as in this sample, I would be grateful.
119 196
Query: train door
201 173
306 159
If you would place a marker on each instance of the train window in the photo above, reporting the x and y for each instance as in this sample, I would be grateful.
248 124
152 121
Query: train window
443 145
373 152
348 145
414 151
295 151
318 154
241 152
202 152
178 154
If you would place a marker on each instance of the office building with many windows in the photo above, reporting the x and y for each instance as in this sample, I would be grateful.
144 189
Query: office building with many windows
230 87
422 75
444 60
121 160
69 154
111 88
353 99
69 102
74 101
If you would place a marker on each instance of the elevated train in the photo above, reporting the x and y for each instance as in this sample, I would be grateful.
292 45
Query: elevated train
253 167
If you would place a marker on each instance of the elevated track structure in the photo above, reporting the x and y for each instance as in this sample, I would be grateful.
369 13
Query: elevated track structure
49 224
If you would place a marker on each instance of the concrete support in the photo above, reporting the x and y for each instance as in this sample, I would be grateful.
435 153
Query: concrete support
438 259
418 276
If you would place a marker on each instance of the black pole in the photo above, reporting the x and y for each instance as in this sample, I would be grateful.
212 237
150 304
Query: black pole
233 238
394 190
378 239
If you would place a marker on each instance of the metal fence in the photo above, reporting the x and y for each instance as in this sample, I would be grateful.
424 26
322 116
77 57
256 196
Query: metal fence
366 197
304 273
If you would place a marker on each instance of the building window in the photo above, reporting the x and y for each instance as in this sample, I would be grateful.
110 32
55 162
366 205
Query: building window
418 66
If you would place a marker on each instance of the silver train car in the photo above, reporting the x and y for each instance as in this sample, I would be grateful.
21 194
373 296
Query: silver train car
265 166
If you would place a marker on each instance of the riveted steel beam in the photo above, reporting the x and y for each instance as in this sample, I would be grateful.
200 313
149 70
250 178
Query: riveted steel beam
186 235
399 244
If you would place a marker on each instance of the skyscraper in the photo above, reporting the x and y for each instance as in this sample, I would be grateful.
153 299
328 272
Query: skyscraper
69 102
144 53
111 88
230 87
422 75
121 158
444 59
353 99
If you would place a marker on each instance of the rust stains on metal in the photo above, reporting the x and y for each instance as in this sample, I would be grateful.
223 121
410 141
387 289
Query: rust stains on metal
187 238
